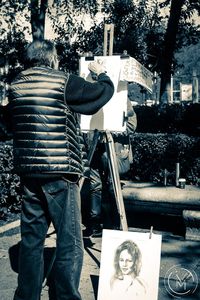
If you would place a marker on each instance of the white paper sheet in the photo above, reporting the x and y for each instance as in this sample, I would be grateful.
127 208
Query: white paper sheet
145 285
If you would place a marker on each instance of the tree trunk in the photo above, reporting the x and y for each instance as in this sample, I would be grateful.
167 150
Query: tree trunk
168 50
38 12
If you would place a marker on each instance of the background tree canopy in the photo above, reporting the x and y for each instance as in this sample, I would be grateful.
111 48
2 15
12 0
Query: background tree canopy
152 31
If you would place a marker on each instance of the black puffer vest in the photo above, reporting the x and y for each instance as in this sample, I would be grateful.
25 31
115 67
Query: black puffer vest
45 130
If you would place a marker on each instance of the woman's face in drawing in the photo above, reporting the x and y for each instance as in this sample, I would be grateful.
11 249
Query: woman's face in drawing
125 262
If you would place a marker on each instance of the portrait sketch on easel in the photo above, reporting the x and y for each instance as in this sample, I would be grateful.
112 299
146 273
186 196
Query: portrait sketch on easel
130 263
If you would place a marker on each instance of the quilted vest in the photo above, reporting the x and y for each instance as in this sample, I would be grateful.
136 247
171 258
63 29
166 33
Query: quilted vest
46 138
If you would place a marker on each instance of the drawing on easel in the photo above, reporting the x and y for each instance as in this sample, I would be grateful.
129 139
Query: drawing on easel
121 70
130 264
111 116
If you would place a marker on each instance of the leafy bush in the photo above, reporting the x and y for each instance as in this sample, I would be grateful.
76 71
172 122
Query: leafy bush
154 154
10 196
173 118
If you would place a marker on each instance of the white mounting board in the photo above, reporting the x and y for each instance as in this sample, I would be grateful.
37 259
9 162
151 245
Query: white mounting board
111 116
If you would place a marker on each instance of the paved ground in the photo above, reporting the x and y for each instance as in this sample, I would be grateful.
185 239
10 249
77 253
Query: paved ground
175 251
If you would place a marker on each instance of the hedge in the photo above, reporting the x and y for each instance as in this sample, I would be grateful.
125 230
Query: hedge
10 196
163 138
152 155
173 118
155 153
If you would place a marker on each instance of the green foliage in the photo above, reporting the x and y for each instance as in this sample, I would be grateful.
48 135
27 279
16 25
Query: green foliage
193 173
9 10
13 48
173 118
139 29
188 60
148 152
135 28
153 153
10 197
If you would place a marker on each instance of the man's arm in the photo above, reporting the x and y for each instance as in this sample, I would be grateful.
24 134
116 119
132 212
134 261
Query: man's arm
88 97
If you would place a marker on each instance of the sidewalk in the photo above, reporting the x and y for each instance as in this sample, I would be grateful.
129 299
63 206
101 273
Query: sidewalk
175 251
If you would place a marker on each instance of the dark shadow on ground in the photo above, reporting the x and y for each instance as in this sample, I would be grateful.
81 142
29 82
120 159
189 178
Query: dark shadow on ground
95 283
49 273
48 254
14 253
88 245
13 256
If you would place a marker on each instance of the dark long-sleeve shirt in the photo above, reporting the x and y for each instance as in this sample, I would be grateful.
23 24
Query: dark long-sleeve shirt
86 97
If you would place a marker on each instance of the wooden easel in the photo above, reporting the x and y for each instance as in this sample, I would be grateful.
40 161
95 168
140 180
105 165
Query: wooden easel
109 143
107 138
113 167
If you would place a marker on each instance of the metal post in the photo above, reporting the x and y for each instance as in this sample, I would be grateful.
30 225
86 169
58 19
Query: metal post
172 89
195 87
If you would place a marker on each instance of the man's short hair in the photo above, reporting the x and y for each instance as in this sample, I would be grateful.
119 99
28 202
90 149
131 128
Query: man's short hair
40 52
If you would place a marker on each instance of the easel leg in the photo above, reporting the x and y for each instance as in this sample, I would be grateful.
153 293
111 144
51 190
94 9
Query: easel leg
110 149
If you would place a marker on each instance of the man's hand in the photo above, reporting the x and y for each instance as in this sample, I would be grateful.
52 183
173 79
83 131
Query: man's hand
96 68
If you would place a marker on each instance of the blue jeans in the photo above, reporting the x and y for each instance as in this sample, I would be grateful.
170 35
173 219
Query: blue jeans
45 201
